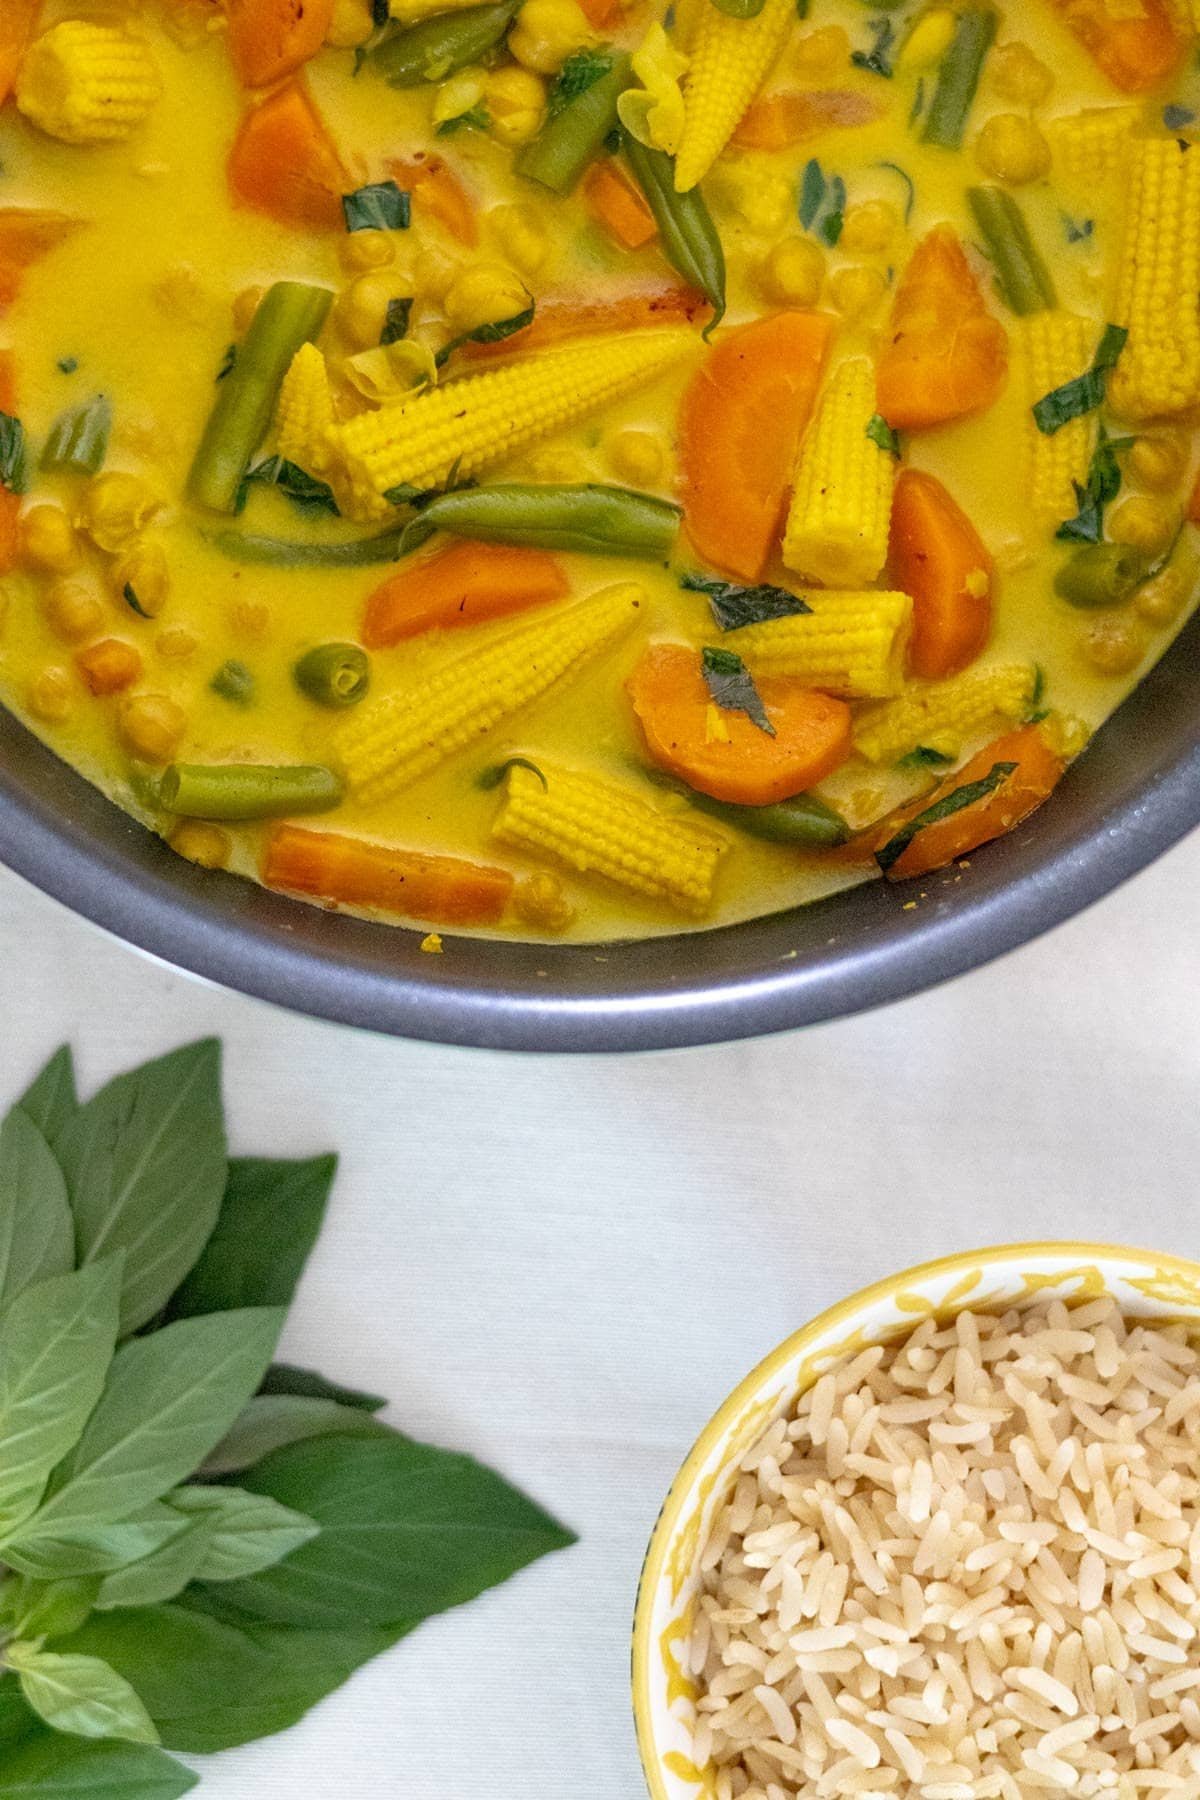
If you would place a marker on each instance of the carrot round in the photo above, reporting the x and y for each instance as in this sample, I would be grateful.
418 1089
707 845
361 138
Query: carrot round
445 890
739 426
10 503
936 555
561 316
269 39
437 191
17 20
779 121
1137 47
1017 794
26 236
945 356
284 162
464 584
616 204
725 754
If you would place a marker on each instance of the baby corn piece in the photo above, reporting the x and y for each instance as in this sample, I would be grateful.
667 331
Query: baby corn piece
1159 369
946 714
1058 347
1091 148
849 644
304 411
87 84
600 828
837 528
391 745
468 424
730 60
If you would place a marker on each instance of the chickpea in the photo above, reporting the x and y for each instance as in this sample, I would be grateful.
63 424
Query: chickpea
206 845
516 102
1158 462
245 305
1114 646
1012 149
857 291
177 643
868 228
181 294
793 272
484 294
522 235
74 612
821 53
1144 522
546 33
762 199
116 508
458 95
1020 76
250 618
360 311
361 251
141 577
541 901
352 23
638 457
432 275
1160 600
48 540
51 694
928 41
152 726
1066 734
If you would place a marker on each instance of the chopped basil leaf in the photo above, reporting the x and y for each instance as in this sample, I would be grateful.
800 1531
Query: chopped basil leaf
1077 230
910 185
580 72
1103 484
822 203
303 489
918 105
1086 392
494 774
487 334
802 9
129 595
878 58
380 206
881 433
732 687
954 802
476 118
1176 117
924 757
12 454
395 325
234 682
1037 695
734 606
78 440
227 362
380 13
67 365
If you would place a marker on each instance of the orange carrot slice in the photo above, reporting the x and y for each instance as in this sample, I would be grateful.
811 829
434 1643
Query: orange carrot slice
464 584
938 557
616 204
945 355
444 889
25 237
436 190
269 39
284 162
1137 47
739 426
779 121
17 20
726 754
561 316
1037 773
601 15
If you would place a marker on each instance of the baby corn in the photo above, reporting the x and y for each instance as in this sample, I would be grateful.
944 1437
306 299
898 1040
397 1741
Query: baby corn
837 528
1058 347
304 411
1159 370
1091 148
600 828
730 60
945 715
87 84
849 644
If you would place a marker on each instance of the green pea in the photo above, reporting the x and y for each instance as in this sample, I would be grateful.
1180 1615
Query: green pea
234 682
1100 575
334 675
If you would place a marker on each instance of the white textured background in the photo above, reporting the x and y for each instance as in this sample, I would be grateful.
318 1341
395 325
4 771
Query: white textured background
564 1266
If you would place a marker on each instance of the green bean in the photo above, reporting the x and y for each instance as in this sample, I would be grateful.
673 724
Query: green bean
78 440
434 48
740 9
804 821
234 682
1023 278
334 675
958 78
1101 575
589 518
290 314
247 790
296 553
687 235
570 139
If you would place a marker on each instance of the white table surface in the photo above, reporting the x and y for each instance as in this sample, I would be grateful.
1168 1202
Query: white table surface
564 1265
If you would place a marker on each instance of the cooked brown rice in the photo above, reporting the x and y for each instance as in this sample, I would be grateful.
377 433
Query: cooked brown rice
967 1564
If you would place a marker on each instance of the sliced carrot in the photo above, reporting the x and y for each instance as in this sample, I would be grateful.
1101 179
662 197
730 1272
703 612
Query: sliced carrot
109 665
726 754
739 426
270 39
444 889
614 202
284 162
17 20
936 555
436 190
10 503
1137 47
1037 773
25 237
464 584
779 121
945 355
560 316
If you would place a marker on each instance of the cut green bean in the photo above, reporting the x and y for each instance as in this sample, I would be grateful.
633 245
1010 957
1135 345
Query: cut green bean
78 440
958 78
290 314
805 822
234 682
1101 575
334 675
1024 281
247 790
590 519
435 47
295 553
688 238
572 138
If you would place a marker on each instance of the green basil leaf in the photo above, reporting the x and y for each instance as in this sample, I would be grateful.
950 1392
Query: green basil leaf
490 778
270 1219
145 1167
486 334
282 1378
406 1530
45 1609
81 1695
153 1579
734 606
37 1236
17 1722
395 324
272 1421
56 1344
380 206
169 1399
878 59
96 1549
731 686
247 1532
956 801
305 491
50 1098
60 1768
882 434
211 1682
582 70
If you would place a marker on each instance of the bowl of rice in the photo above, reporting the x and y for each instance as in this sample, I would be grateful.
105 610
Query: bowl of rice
943 1544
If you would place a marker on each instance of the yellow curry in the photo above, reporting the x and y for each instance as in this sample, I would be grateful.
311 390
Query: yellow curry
584 469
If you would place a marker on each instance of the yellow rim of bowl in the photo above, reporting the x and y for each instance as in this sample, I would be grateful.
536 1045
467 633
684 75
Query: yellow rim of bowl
723 1418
